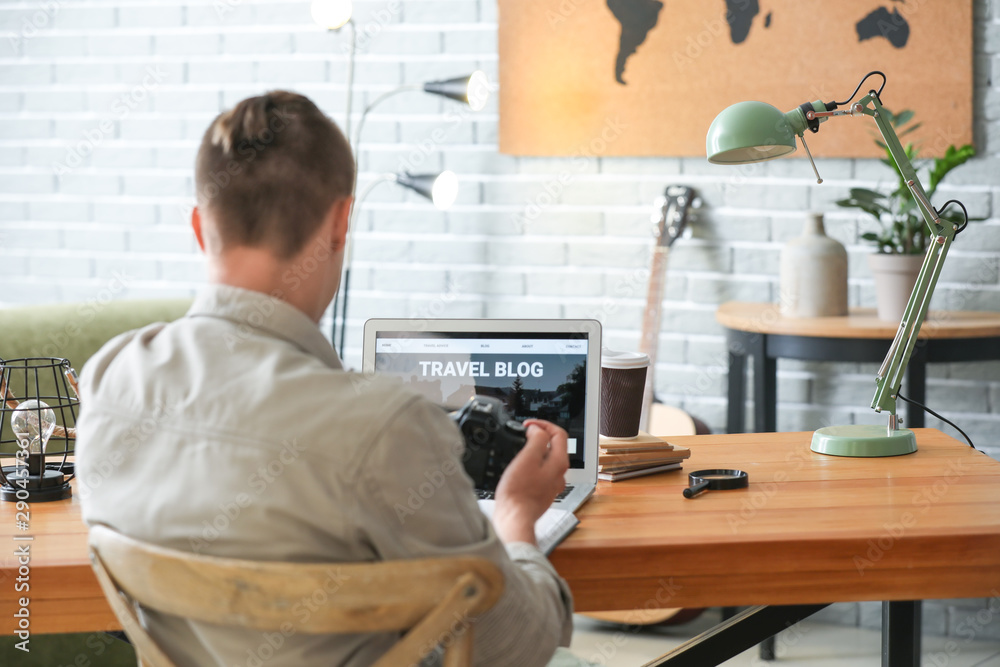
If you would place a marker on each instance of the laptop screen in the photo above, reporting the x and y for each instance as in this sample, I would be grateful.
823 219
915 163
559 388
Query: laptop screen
536 375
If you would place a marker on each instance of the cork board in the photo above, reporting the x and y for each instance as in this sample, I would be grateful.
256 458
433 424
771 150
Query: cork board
646 78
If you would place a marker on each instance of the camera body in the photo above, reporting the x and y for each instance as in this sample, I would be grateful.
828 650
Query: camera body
492 439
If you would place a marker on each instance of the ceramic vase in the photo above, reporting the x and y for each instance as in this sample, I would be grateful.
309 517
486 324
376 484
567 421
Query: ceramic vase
813 273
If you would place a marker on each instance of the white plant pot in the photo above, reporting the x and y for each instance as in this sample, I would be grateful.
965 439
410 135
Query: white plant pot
894 276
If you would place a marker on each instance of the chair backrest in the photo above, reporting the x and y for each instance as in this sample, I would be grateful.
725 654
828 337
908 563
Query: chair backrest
424 596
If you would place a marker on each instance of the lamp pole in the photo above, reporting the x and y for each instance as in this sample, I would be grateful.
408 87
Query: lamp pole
890 374
349 257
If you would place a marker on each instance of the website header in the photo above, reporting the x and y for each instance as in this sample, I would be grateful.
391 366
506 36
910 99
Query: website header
520 346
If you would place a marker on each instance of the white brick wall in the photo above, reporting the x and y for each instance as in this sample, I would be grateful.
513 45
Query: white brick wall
535 237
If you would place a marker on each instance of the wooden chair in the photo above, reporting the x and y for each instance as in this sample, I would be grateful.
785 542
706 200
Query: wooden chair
423 596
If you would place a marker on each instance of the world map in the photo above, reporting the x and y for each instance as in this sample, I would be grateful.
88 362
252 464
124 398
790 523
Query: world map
637 18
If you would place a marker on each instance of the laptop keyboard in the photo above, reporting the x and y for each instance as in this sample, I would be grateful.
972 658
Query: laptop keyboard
483 494
565 492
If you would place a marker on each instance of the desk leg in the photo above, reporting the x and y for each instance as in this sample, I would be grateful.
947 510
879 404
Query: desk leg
916 390
767 649
765 388
736 411
901 633
732 637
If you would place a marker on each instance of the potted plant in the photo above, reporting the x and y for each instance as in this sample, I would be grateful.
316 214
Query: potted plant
902 235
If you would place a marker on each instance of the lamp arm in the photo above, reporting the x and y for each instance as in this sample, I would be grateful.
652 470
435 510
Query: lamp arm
356 143
352 220
890 375
343 290
374 103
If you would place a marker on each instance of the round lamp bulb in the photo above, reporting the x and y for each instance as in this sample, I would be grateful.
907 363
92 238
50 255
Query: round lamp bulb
445 190
331 14
478 91
35 422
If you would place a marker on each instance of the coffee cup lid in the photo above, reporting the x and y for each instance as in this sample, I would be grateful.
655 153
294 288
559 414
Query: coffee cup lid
615 359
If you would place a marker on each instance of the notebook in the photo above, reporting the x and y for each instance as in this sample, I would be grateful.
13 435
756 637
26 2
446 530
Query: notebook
546 369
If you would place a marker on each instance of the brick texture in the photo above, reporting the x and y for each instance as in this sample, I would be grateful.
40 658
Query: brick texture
102 106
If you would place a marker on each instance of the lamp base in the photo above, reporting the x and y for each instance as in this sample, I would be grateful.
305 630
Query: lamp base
37 489
863 440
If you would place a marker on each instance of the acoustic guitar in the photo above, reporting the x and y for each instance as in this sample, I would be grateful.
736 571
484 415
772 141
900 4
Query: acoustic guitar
669 222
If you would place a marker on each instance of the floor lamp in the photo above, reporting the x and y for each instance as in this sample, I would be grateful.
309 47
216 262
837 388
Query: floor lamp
472 90
334 15
441 189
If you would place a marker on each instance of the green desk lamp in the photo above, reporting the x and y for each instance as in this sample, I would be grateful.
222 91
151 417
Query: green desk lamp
754 132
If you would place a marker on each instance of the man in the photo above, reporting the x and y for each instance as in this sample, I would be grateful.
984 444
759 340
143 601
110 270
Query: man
235 431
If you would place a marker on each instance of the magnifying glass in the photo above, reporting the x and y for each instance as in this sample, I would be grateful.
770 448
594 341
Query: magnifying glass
715 480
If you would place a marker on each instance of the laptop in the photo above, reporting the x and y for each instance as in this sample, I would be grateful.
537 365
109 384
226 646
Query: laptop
544 369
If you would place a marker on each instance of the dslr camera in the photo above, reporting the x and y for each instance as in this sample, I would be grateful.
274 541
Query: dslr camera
492 439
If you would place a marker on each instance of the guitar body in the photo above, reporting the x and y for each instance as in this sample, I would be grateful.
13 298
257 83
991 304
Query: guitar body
666 420
658 418
646 616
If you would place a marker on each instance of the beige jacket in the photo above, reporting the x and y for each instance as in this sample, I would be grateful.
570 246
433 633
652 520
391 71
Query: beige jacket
235 432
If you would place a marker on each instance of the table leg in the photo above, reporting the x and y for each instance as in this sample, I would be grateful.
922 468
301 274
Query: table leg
732 637
736 411
901 633
767 649
765 388
916 390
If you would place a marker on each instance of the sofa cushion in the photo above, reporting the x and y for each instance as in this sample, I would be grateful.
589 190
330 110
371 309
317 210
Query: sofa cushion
75 331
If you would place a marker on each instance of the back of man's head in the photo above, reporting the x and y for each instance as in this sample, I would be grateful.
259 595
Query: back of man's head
268 171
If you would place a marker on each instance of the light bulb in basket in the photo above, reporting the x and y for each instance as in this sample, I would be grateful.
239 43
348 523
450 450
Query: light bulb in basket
33 421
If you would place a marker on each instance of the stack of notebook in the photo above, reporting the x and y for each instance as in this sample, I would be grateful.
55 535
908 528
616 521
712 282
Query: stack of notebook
642 455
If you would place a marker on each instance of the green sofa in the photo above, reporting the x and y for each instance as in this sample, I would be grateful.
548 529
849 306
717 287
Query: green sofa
75 331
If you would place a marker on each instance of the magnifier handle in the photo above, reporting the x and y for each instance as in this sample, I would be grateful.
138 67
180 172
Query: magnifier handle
695 489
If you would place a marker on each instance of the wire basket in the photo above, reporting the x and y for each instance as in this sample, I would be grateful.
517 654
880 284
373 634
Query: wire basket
52 381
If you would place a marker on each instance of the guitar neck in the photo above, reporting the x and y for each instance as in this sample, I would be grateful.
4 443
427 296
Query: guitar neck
651 318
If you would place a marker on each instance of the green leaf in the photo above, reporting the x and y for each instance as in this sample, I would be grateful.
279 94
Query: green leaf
902 118
911 128
870 236
864 194
953 157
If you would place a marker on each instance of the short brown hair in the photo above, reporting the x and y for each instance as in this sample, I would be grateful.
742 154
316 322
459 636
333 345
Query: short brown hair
269 169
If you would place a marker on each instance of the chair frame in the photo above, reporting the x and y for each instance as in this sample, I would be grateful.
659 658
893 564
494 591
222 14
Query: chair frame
423 596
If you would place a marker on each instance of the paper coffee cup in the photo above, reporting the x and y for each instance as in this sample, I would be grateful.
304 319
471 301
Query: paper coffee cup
623 378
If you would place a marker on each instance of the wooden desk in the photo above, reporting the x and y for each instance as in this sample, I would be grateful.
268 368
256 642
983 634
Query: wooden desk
805 515
64 594
809 529
759 330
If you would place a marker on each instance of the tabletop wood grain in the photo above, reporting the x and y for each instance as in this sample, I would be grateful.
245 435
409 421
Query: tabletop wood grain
810 528
859 323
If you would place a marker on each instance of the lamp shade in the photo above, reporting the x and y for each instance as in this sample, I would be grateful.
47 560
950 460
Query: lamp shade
749 132
442 189
331 14
473 90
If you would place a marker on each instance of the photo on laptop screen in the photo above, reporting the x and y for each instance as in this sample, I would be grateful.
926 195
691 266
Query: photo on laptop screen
536 375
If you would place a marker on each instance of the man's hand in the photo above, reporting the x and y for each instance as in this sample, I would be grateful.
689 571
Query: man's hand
531 482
